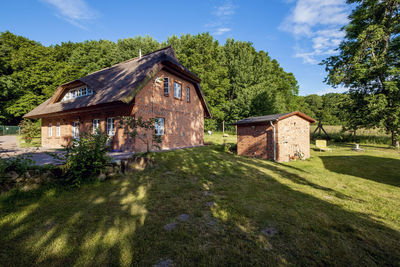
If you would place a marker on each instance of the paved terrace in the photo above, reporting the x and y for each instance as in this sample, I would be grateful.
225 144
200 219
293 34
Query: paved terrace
9 148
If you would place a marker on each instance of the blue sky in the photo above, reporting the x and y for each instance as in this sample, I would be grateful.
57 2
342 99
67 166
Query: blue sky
298 33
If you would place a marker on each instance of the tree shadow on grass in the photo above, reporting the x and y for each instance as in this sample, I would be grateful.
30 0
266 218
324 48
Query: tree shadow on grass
381 170
121 222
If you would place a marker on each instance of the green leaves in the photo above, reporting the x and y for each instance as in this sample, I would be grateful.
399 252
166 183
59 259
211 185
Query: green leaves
30 129
368 64
86 157
237 80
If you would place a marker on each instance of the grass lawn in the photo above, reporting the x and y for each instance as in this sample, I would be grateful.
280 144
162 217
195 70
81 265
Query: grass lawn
217 138
36 142
339 208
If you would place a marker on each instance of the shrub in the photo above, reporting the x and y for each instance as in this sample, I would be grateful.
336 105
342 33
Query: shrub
85 157
20 164
210 125
3 167
229 147
233 148
30 129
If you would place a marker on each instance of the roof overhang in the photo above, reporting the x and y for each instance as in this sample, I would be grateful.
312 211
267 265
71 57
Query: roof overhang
97 108
249 121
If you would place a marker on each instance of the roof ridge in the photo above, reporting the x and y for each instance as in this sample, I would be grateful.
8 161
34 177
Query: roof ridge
129 60
275 114
273 117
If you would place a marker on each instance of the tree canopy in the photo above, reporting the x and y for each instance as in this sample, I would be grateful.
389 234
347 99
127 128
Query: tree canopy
368 64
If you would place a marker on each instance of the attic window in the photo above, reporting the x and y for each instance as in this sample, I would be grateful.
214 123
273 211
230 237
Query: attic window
166 86
77 92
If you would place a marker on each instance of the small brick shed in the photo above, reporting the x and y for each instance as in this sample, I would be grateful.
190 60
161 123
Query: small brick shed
255 136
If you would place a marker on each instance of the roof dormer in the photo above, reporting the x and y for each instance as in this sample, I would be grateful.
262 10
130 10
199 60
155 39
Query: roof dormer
77 92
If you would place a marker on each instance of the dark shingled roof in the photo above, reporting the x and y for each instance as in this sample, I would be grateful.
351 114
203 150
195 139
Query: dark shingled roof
273 117
119 83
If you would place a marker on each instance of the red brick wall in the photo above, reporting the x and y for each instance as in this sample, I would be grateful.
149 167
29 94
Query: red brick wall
85 119
291 134
184 121
55 141
255 141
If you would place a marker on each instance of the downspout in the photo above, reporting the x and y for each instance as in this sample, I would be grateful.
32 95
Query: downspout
273 136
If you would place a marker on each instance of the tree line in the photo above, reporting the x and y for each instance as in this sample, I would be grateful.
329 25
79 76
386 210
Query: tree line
237 80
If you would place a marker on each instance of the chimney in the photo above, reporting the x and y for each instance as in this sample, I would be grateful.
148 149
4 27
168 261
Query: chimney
140 53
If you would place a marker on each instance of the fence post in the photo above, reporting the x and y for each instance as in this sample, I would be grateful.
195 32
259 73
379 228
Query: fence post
223 127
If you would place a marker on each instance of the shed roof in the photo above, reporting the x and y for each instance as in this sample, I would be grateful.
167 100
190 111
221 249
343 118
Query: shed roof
118 83
273 117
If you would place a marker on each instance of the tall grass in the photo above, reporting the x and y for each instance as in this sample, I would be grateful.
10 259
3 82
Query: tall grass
363 136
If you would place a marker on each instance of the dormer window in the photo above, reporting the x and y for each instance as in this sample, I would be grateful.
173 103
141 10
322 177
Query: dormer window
77 92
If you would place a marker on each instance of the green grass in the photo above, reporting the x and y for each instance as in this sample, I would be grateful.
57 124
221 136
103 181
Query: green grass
217 138
36 142
339 208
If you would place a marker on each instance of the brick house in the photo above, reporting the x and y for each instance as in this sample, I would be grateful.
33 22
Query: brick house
275 137
155 85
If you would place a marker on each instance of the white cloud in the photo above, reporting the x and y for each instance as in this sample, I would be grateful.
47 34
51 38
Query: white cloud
221 31
225 10
316 24
332 90
76 12
222 16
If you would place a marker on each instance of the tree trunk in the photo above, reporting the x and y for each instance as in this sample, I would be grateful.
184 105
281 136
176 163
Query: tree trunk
395 140
147 147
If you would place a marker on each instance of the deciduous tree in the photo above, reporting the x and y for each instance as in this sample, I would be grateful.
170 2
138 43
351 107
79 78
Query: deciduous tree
368 62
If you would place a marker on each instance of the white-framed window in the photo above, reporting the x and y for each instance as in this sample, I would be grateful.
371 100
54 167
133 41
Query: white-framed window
58 130
159 126
110 126
166 86
96 125
188 94
75 129
50 130
78 92
177 90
